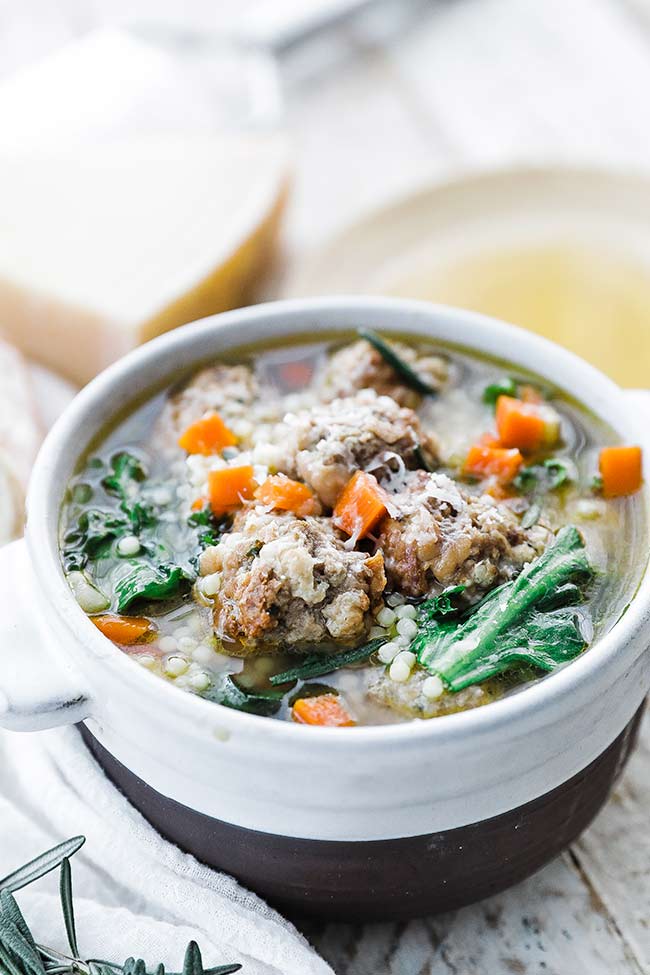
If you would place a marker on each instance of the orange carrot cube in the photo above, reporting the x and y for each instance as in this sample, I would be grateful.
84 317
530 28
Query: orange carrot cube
360 506
324 710
229 487
620 470
209 435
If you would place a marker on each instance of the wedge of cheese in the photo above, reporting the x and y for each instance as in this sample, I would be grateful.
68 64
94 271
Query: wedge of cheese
126 209
103 251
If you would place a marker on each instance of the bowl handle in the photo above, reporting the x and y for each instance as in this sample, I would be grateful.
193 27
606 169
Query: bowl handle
36 691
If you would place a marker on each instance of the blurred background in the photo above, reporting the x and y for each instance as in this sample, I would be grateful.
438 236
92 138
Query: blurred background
238 107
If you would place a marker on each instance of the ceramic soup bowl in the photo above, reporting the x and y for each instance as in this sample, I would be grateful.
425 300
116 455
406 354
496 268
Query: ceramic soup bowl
368 822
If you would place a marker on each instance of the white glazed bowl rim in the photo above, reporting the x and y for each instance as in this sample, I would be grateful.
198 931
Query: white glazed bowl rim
450 325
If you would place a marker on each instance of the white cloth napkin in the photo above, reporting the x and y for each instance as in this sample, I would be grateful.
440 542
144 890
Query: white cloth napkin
135 893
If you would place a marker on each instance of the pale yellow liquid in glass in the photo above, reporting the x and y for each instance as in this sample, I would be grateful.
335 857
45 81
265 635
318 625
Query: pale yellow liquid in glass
594 303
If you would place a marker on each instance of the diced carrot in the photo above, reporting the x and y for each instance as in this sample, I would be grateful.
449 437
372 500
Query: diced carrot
282 494
324 710
620 470
125 630
527 426
360 506
229 487
486 460
489 440
209 435
198 503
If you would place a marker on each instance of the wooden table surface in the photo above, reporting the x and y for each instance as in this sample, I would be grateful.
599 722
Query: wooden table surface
375 110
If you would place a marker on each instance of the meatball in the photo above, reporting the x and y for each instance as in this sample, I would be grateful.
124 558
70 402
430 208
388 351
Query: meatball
284 582
360 366
329 442
439 534
408 698
231 391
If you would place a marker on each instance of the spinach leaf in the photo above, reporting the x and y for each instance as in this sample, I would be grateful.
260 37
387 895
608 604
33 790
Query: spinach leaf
541 478
138 580
444 604
504 387
126 472
211 528
225 690
93 537
536 481
514 624
318 664
405 372
140 515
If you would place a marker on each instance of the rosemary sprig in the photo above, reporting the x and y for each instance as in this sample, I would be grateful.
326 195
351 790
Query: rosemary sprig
406 373
317 665
21 954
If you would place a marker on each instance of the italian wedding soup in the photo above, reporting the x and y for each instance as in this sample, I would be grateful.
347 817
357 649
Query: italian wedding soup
354 531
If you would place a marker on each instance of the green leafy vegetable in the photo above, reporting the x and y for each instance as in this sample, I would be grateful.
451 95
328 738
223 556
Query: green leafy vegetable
227 691
97 528
504 387
126 473
513 624
408 375
538 480
541 478
81 493
142 581
20 954
211 528
318 664
93 537
444 604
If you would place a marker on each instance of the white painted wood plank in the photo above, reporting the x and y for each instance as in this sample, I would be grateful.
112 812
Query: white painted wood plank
519 79
356 145
553 924
615 854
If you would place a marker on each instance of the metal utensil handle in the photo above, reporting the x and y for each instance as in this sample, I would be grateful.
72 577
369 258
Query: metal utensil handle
279 24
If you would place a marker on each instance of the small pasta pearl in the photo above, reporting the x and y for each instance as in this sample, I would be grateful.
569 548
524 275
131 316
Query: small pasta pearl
433 687
386 616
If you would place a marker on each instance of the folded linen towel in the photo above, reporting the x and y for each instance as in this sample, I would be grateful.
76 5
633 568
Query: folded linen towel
135 893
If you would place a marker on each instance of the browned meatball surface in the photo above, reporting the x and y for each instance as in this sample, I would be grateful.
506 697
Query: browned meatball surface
231 391
360 366
440 535
281 580
328 443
